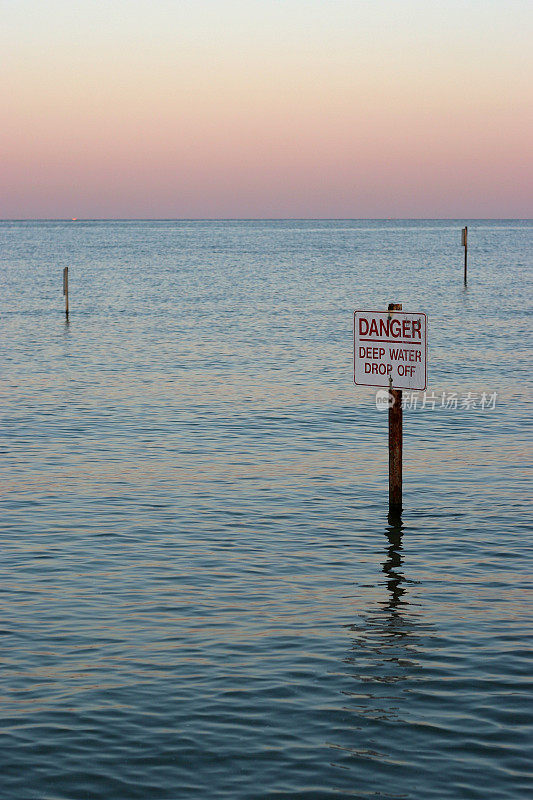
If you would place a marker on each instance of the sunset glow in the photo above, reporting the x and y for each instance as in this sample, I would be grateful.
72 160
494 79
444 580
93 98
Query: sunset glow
208 108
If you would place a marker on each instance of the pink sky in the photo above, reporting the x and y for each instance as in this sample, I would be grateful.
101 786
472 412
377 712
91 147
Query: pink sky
226 108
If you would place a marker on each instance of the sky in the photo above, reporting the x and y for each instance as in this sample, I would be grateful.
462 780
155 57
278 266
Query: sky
266 108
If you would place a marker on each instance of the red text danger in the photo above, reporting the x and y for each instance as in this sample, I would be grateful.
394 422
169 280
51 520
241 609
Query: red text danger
391 328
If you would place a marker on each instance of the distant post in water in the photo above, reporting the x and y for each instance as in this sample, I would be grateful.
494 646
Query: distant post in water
65 289
464 242
390 352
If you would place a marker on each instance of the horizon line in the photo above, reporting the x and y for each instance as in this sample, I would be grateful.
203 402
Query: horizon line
262 219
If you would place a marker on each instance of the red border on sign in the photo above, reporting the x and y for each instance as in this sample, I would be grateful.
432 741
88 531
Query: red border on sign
410 313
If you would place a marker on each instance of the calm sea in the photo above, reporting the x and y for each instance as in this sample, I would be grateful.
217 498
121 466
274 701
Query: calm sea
201 595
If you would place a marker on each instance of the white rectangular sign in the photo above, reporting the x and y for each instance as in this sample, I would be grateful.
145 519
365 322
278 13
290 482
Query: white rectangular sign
390 345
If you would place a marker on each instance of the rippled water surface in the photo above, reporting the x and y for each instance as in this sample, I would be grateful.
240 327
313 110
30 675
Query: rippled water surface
201 595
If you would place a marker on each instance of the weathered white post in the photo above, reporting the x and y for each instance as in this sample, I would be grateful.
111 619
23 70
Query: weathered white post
464 242
65 289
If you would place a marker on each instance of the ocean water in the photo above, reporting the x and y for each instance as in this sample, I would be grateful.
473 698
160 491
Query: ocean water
201 595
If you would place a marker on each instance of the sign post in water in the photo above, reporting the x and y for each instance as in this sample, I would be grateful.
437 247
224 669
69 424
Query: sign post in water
464 242
390 351
65 289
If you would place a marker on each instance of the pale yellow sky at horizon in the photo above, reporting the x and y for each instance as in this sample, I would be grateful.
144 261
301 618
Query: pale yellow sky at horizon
263 108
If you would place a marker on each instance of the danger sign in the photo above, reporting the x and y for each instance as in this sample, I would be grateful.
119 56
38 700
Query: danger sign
390 349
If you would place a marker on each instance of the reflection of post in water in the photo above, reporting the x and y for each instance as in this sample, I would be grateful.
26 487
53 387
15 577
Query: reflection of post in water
394 560
383 656
385 660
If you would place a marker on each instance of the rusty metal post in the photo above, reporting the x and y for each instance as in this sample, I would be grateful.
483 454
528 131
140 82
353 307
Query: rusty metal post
395 442
65 289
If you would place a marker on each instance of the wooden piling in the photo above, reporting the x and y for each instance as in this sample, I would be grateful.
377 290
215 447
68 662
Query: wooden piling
395 442
464 240
65 289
